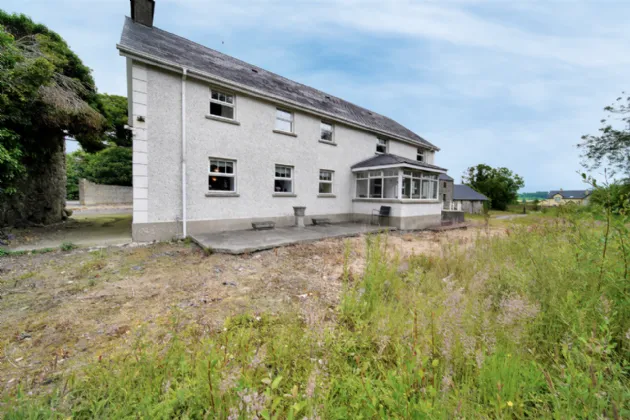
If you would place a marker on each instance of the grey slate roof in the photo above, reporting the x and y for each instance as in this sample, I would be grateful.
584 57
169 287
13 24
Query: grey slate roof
385 159
444 177
464 192
182 52
570 193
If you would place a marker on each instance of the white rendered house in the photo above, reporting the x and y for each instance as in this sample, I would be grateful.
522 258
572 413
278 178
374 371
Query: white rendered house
219 144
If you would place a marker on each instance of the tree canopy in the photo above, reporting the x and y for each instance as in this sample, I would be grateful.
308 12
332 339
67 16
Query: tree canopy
612 144
46 93
500 185
114 109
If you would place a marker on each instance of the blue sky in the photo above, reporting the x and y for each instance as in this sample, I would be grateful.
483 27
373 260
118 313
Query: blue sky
507 83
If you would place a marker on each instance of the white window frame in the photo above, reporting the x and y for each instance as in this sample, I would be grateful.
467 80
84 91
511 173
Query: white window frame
420 156
223 175
414 177
332 131
277 178
381 142
223 103
290 121
330 181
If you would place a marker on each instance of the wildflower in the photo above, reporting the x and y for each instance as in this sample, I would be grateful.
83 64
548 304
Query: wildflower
510 404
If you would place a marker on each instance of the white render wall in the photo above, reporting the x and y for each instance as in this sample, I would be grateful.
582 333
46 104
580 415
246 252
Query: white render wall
254 146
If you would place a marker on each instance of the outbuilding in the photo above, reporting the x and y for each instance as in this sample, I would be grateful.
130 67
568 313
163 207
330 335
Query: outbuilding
467 199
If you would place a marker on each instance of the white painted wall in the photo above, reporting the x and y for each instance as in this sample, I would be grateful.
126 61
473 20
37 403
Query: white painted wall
254 146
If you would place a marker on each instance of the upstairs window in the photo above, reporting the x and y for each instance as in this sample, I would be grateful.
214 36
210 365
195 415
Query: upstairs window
221 104
326 132
326 181
283 179
420 155
284 120
222 175
381 146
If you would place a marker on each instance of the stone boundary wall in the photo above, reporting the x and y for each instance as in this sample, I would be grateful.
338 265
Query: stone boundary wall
91 194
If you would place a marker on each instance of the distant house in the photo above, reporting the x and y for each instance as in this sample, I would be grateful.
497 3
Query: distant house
562 197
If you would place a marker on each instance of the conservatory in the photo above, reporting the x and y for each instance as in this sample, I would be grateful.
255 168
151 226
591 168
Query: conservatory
408 187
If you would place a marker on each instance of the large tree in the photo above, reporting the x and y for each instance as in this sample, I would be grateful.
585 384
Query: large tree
46 94
612 145
114 108
500 185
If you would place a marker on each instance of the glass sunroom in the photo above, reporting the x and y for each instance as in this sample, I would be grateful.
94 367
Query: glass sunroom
396 183
410 188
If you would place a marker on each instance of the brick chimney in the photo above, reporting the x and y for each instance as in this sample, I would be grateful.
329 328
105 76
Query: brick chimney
142 12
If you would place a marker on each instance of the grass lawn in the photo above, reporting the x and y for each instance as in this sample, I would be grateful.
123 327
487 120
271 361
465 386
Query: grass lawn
526 317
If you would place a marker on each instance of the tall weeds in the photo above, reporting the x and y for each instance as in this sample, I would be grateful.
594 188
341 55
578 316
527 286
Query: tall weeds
536 324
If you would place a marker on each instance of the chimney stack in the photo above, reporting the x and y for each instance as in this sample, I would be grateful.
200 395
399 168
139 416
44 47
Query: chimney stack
142 12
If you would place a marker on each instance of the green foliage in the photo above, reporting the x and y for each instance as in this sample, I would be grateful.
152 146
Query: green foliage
111 166
612 145
614 196
114 109
532 325
500 185
11 166
67 246
46 93
75 170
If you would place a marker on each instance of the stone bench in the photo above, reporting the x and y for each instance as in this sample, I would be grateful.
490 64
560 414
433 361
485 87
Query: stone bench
263 225
320 221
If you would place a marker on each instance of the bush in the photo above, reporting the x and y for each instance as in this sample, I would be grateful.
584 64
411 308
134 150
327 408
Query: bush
612 196
111 166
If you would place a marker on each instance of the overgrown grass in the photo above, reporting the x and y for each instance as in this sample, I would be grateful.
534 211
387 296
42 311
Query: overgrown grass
536 324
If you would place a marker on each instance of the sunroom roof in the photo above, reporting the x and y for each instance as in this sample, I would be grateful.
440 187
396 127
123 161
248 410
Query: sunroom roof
392 161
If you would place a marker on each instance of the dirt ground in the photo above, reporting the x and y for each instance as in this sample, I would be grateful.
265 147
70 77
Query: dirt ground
61 310
83 229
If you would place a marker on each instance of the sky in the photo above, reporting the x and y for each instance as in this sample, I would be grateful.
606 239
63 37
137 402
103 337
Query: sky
507 83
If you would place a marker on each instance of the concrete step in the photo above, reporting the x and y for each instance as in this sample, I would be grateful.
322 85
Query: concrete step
320 221
265 225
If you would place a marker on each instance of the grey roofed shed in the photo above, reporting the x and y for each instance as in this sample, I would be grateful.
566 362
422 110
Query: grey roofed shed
464 192
570 193
154 43
388 159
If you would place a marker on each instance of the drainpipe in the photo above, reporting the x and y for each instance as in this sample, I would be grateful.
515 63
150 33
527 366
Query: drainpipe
184 227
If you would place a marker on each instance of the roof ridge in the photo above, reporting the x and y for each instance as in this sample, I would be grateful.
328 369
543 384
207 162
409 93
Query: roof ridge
198 56
246 64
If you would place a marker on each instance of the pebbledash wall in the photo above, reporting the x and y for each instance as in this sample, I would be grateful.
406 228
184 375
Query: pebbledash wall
250 141
91 194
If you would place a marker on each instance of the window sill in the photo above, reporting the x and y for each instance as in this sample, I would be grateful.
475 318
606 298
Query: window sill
330 143
222 119
222 194
286 133
284 195
326 196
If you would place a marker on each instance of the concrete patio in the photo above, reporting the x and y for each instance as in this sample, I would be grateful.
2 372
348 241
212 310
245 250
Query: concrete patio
245 241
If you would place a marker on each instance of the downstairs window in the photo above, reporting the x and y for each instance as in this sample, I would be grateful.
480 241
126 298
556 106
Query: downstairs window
222 175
